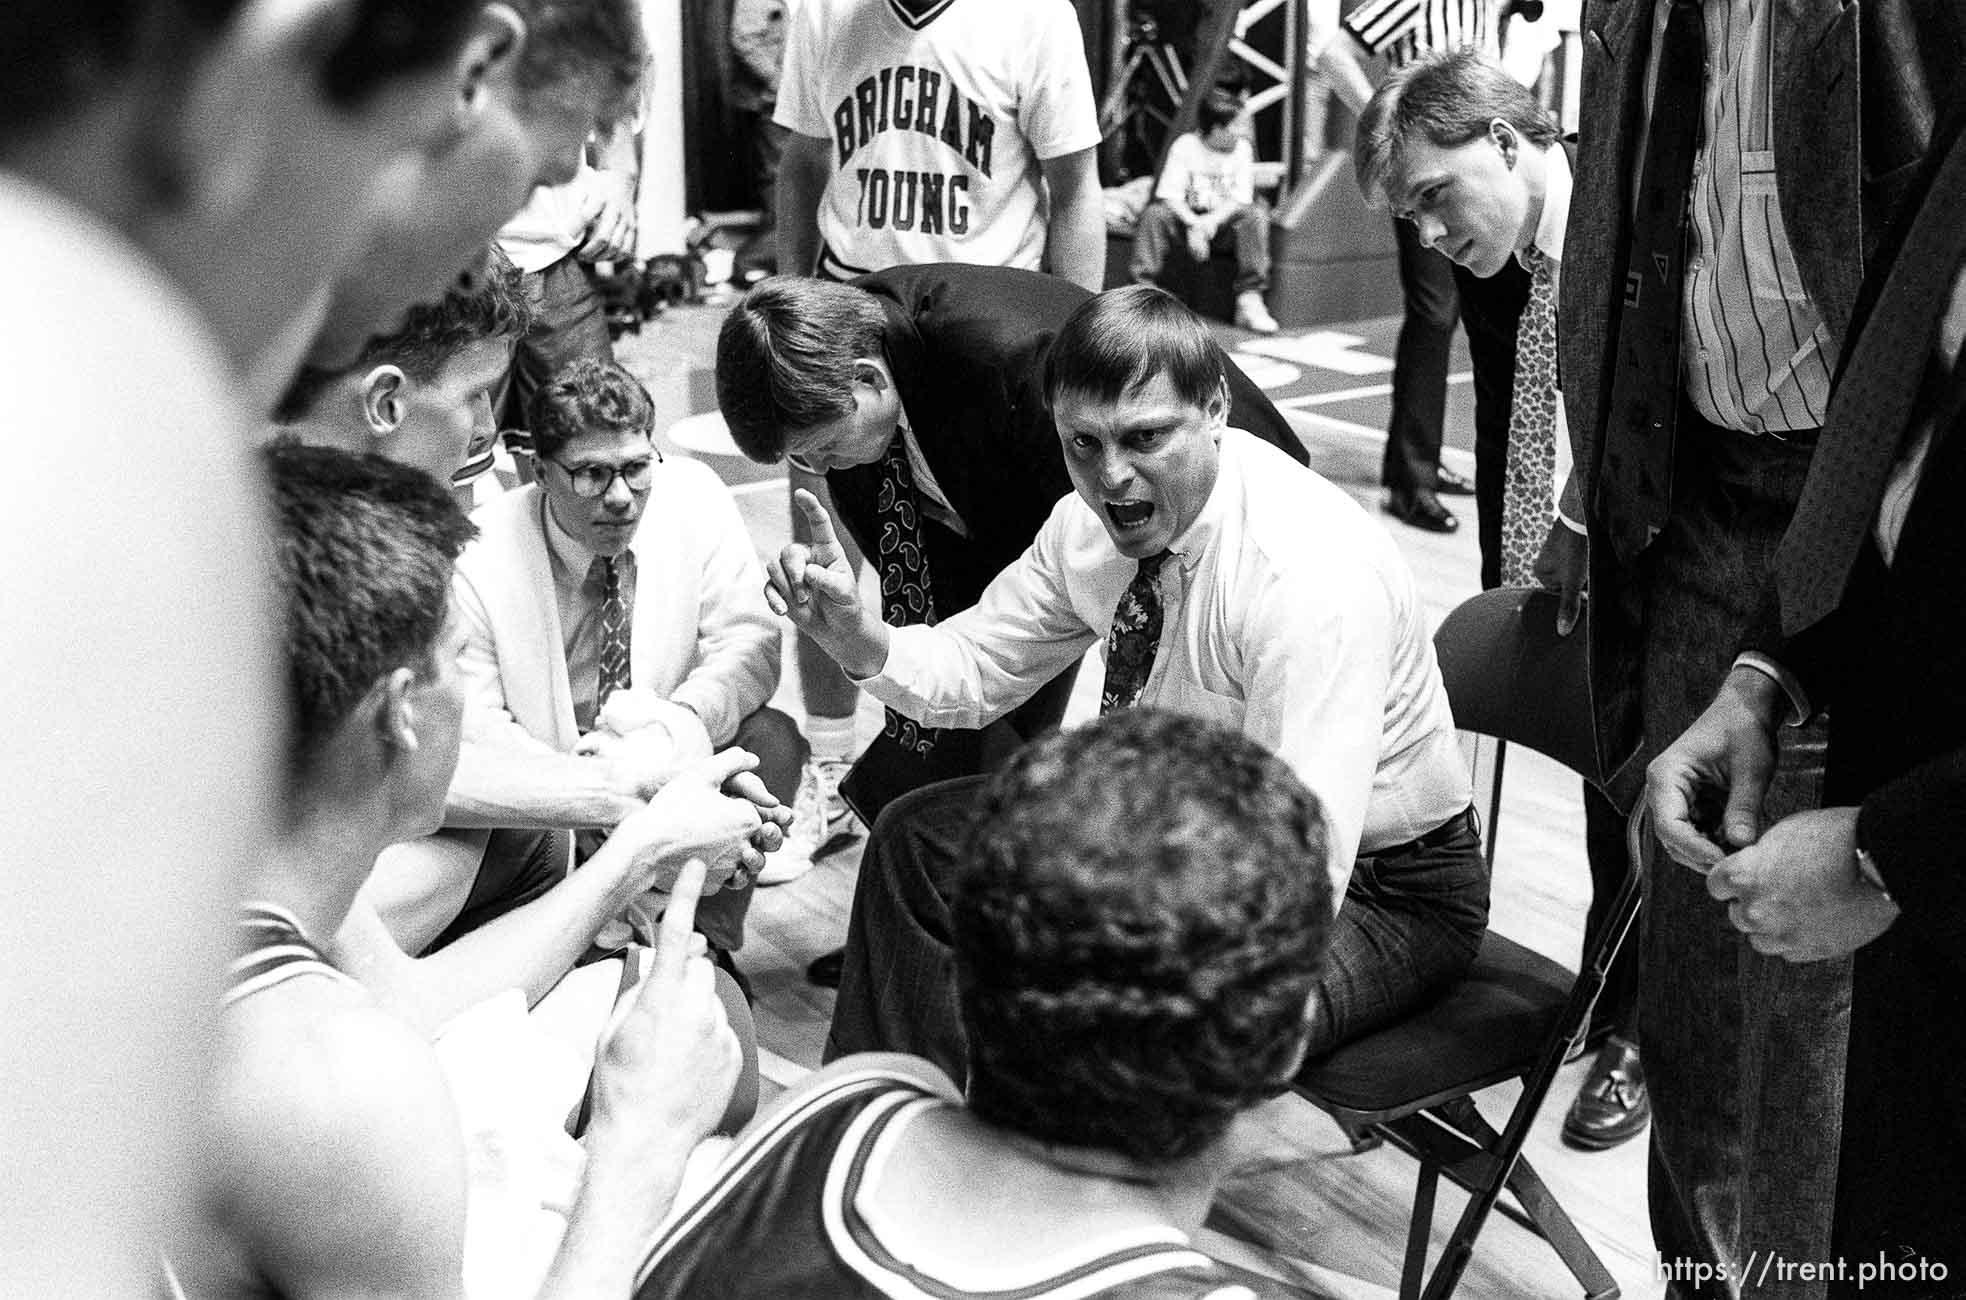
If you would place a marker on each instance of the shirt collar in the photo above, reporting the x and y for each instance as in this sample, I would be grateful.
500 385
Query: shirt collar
1199 535
1555 220
574 557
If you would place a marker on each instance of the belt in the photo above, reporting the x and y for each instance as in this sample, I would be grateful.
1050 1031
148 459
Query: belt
1451 829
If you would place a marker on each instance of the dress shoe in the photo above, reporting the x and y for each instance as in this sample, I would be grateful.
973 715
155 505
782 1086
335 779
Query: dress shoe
1422 509
1448 483
824 970
1612 1106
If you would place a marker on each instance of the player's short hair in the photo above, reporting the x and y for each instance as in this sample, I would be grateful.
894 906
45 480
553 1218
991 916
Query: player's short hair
574 45
488 306
785 359
1451 99
1141 910
1122 339
364 549
587 396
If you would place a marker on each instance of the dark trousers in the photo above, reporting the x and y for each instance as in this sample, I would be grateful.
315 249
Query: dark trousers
520 865
1161 235
1743 1053
1604 847
1420 359
1412 922
569 322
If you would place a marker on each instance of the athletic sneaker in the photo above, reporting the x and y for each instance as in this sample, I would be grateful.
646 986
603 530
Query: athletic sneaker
821 823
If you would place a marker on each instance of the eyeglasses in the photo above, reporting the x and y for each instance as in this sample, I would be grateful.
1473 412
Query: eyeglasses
804 466
594 480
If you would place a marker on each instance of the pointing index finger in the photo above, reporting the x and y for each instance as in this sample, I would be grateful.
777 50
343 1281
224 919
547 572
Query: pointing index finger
817 519
672 940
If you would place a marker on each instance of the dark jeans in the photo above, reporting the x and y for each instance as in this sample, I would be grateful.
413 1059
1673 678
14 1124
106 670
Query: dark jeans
1411 922
1743 1053
569 322
1420 359
1162 234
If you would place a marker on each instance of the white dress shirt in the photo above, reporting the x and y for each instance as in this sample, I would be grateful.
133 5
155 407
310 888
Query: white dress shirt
1289 616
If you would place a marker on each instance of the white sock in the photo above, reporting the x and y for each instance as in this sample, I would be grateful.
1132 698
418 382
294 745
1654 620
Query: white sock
831 738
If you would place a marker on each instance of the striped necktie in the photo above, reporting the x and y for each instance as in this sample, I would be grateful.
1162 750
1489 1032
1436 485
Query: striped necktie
614 631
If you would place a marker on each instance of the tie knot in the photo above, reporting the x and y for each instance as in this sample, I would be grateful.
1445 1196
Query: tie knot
1150 567
605 573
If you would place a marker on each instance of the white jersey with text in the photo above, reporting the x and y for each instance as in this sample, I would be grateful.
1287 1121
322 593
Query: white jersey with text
937 116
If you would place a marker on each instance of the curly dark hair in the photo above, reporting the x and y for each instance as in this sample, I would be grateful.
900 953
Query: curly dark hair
364 553
587 396
1142 908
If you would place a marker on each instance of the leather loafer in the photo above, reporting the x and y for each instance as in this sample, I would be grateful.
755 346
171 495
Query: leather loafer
824 970
1612 1106
1448 483
1421 509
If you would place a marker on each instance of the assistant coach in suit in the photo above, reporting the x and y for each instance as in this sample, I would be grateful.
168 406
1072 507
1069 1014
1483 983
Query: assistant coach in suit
1706 294
1868 577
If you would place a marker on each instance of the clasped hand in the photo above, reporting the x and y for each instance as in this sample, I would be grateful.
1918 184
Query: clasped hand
1792 889
717 810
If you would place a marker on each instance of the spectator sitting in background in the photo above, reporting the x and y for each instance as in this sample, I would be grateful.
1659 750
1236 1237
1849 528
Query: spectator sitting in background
422 395
1140 913
1206 199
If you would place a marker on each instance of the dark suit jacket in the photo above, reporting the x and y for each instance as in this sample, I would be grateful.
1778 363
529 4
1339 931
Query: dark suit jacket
967 346
1845 164
1890 667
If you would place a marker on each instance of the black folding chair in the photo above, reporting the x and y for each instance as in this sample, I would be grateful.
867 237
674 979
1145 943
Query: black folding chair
1516 1013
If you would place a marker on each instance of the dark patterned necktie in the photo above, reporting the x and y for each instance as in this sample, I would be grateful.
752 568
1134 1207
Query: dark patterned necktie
614 632
1134 638
1635 481
902 560
1873 407
1526 500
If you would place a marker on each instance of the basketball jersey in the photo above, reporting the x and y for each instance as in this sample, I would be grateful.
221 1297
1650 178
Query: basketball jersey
781 1220
937 117
272 950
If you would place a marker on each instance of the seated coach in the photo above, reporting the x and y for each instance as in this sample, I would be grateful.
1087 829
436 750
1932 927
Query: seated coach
615 630
1228 583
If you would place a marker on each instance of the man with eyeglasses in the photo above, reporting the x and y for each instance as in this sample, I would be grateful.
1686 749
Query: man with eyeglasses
615 630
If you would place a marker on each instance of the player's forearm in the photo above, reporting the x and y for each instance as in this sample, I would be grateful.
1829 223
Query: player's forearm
801 183
535 789
530 948
630 1183
1075 238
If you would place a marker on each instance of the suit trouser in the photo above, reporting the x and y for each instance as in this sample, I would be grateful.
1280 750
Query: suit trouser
1420 360
520 865
1411 923
569 323
1743 1053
